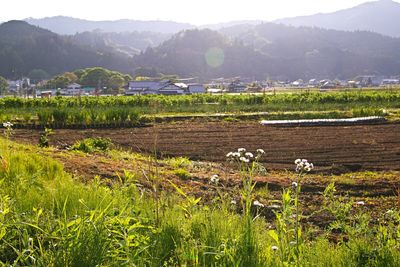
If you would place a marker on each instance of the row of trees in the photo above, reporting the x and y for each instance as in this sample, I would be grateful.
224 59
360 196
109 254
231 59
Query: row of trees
100 78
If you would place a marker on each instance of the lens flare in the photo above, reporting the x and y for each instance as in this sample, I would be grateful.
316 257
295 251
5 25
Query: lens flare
215 57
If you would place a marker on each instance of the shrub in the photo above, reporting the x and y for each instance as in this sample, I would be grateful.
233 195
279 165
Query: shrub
90 145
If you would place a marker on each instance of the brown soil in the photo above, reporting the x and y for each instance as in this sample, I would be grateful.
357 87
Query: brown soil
333 149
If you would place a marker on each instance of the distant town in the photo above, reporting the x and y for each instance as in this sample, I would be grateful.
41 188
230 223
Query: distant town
27 87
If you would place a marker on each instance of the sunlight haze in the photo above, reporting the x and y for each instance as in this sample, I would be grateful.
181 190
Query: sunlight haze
194 12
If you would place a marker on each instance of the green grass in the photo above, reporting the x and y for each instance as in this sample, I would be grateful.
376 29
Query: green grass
48 218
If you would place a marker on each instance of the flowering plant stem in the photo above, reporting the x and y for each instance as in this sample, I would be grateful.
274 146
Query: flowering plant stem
298 217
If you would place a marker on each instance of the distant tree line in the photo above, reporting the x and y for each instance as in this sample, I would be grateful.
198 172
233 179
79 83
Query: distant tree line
99 78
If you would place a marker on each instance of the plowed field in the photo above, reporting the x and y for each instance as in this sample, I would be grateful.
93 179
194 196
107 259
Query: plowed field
331 148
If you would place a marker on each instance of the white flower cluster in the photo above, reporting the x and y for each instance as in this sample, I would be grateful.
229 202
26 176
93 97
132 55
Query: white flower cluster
243 156
214 179
303 165
7 125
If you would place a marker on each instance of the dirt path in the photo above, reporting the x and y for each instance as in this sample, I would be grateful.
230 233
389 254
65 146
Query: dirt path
335 149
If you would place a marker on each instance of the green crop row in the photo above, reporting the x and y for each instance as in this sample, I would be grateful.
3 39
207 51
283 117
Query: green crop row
167 102
121 110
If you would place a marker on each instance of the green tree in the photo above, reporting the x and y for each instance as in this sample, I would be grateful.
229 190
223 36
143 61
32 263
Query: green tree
3 86
95 77
59 81
128 78
79 73
72 77
116 81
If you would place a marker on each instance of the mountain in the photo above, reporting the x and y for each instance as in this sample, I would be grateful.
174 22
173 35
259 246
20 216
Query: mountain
205 54
380 16
218 26
128 43
24 48
274 51
305 52
67 25
260 51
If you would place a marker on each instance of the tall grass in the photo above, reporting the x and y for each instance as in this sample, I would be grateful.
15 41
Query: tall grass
48 218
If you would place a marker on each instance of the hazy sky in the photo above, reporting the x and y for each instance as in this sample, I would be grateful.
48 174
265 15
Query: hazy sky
191 11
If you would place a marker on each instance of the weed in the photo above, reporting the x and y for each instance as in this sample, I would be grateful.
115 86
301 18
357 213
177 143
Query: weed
44 137
90 145
182 173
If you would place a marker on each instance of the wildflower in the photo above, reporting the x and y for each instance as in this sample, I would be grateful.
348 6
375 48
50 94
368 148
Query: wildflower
294 185
260 151
360 203
241 150
7 124
214 179
236 154
303 165
258 204
249 155
274 248
244 159
229 155
233 202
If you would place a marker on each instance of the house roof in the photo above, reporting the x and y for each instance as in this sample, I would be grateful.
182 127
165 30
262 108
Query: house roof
152 85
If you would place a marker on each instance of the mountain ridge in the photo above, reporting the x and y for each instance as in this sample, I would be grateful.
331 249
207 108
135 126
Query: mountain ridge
68 25
381 16
24 48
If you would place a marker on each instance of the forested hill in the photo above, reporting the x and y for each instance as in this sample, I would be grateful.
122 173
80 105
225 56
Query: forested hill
206 54
128 43
276 51
24 47
381 16
253 51
306 52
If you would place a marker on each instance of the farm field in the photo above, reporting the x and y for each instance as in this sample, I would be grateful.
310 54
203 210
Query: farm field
100 112
132 208
334 149
165 193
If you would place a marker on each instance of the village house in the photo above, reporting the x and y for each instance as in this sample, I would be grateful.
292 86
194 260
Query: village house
73 89
389 82
196 88
237 87
163 87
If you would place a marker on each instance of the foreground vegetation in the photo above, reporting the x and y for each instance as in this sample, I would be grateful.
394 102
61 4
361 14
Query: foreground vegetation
48 218
135 110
